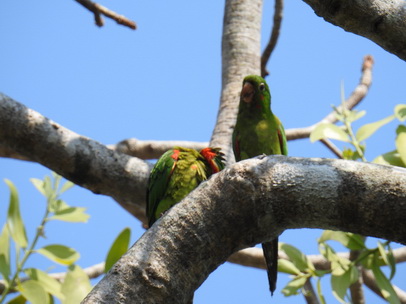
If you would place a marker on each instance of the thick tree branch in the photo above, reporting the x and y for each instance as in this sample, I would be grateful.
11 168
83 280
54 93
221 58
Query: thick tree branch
240 57
99 10
383 22
265 196
153 149
277 21
356 97
83 161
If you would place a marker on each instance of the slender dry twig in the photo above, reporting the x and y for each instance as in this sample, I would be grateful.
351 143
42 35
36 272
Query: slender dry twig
99 10
277 21
332 147
356 97
356 289
309 293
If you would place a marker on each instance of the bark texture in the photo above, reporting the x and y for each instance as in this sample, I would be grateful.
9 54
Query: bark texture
383 22
251 202
85 162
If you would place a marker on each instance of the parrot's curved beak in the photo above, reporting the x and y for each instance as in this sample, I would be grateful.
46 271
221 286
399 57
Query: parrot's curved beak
247 92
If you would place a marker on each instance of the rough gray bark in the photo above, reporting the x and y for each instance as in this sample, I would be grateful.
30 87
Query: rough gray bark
240 56
85 162
248 203
382 21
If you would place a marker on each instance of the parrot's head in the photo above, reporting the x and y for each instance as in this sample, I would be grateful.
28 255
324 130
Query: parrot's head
255 93
214 157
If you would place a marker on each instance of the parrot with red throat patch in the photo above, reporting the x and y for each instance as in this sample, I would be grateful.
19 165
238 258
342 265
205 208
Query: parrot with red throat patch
177 172
258 131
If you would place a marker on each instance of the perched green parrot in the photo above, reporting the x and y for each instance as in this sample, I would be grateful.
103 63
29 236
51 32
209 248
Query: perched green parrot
258 131
177 172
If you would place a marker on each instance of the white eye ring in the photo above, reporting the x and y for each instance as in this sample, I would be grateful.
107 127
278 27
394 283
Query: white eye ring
262 86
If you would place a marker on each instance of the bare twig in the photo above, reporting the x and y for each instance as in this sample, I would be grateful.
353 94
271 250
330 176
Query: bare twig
309 293
356 97
332 147
356 289
99 10
277 21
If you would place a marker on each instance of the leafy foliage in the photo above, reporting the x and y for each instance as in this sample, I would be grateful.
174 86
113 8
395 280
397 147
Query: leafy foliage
345 271
37 286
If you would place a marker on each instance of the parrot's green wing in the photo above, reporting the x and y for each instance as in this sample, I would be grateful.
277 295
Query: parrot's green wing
282 137
176 174
159 180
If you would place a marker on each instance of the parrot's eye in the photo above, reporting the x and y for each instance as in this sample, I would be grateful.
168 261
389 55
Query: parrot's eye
262 86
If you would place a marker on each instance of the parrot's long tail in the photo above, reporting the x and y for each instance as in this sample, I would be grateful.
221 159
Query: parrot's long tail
271 259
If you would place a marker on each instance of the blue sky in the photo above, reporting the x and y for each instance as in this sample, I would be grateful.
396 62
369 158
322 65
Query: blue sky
163 82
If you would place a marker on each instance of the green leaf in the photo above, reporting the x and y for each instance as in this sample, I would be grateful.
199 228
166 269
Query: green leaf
354 115
385 286
48 189
367 130
320 292
287 267
338 264
327 130
294 285
5 253
39 185
341 283
66 186
298 258
391 158
119 247
71 214
387 257
57 179
350 240
401 142
18 300
57 205
392 262
400 112
76 285
15 223
33 292
59 254
49 284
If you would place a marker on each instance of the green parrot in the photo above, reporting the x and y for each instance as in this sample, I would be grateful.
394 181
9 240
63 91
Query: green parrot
177 172
258 131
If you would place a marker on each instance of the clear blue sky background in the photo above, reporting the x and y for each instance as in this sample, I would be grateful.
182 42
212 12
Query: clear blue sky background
163 82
